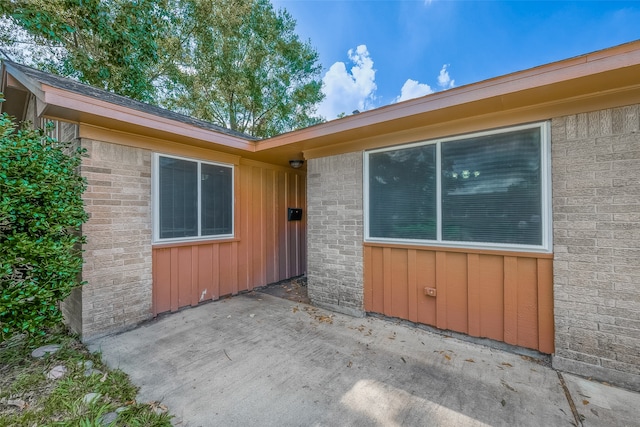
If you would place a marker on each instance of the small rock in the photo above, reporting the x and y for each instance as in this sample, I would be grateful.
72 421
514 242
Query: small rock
252 315
56 372
91 371
90 398
88 368
121 409
19 403
47 349
108 418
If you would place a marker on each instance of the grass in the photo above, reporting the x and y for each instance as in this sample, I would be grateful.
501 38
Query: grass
29 398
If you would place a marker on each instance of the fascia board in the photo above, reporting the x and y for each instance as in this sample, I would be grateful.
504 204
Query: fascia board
28 83
559 72
92 107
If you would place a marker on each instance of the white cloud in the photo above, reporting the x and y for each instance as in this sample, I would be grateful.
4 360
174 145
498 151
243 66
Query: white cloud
412 89
346 91
444 80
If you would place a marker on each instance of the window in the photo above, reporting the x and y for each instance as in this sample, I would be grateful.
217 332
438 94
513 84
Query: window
402 193
193 199
488 190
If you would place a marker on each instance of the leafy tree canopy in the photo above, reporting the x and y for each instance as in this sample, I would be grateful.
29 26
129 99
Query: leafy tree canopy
241 65
110 44
236 63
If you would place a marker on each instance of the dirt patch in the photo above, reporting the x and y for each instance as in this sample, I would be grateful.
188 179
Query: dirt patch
292 289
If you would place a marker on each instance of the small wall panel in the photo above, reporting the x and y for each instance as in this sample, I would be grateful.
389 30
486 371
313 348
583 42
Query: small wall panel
398 286
503 296
425 278
491 296
162 280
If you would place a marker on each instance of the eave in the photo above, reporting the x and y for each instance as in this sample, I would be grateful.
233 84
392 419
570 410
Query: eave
603 79
82 109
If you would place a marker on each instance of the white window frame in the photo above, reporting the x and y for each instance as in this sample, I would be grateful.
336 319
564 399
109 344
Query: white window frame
155 195
546 207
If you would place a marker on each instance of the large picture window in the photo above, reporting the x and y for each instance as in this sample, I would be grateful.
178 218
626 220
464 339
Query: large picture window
193 199
486 190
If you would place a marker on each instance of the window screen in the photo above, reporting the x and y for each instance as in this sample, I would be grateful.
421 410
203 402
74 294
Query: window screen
402 193
178 193
195 199
482 189
217 200
491 189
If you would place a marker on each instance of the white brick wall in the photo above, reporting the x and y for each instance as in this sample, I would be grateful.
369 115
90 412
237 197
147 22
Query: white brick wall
117 254
335 227
596 208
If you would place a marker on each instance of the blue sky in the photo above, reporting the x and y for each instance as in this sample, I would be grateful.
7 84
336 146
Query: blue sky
375 53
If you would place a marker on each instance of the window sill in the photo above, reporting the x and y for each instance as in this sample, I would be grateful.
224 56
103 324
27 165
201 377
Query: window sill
160 245
467 250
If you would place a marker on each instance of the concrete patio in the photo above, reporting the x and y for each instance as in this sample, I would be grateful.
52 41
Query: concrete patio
258 360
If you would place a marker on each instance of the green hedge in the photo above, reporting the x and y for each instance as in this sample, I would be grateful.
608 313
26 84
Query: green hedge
41 214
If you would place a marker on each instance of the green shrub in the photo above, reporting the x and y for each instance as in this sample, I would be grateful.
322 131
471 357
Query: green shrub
41 213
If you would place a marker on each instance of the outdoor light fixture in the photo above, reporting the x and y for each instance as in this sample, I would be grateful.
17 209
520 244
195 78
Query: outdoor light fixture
296 164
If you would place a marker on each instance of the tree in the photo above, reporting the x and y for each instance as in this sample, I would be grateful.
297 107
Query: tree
110 44
236 63
41 212
240 64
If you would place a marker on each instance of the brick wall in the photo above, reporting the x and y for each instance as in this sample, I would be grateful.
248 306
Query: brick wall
71 307
596 207
335 227
118 250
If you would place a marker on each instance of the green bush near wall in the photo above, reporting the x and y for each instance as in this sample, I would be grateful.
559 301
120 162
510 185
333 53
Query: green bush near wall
41 213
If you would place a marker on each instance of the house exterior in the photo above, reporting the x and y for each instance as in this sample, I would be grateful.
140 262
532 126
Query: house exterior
506 209
231 239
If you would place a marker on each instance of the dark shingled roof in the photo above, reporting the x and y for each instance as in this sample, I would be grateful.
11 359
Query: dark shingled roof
83 89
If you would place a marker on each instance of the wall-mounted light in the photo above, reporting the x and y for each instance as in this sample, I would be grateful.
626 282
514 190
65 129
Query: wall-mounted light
296 164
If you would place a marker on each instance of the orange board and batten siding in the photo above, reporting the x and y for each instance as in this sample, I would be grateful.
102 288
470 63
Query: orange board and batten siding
503 296
267 247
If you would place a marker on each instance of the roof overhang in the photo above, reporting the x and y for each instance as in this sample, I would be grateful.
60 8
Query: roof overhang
16 93
598 80
603 79
69 106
